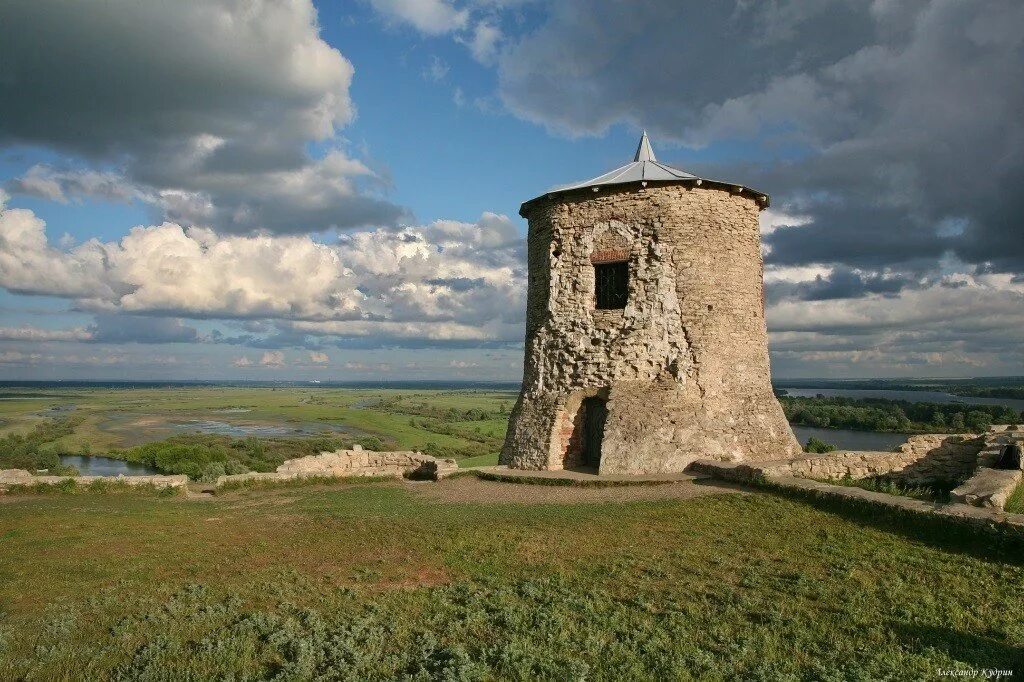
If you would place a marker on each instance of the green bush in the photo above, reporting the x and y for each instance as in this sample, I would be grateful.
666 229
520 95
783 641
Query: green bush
201 456
817 446
31 451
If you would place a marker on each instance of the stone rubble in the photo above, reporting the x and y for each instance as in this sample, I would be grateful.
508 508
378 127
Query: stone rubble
356 462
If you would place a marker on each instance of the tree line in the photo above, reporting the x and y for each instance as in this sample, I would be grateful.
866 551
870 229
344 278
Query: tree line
897 416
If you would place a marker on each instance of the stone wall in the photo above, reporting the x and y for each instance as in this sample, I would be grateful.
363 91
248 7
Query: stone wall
354 463
990 487
16 477
684 367
980 518
922 459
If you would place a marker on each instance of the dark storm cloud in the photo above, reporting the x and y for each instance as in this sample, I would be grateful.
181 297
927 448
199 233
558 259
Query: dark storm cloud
841 283
141 329
205 108
906 115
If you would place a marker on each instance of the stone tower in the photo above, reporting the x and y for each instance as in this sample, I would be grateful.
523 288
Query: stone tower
646 345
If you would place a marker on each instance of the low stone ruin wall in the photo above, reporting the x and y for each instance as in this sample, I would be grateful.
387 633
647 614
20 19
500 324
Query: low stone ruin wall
354 463
988 486
16 477
966 459
922 459
981 518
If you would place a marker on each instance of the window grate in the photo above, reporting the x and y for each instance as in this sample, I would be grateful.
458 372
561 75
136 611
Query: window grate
612 285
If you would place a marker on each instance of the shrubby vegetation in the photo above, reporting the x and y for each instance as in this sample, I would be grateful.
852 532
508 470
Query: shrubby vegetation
898 416
436 412
818 446
34 451
205 457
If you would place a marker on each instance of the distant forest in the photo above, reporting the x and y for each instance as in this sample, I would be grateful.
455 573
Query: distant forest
897 416
980 387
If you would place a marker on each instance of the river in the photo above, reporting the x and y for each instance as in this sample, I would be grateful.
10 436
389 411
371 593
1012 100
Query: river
105 466
844 439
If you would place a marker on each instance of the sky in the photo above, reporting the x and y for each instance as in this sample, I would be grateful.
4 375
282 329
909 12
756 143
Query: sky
246 189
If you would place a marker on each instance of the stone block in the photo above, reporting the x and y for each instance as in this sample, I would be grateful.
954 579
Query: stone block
988 488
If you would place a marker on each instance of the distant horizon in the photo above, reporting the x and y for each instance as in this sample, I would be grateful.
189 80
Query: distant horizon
329 383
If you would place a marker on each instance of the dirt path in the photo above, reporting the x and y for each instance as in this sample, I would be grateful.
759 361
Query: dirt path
468 489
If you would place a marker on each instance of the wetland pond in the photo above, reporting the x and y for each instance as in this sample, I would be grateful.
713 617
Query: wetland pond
106 466
222 428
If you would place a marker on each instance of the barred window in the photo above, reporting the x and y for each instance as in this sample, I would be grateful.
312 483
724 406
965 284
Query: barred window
612 285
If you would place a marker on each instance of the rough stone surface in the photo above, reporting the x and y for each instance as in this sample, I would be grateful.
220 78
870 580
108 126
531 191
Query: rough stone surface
926 458
997 438
354 463
746 473
683 368
10 477
988 487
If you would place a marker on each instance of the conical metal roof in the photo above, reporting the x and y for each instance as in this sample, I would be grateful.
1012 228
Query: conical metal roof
646 168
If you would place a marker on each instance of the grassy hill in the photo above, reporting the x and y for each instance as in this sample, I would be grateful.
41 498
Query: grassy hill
447 581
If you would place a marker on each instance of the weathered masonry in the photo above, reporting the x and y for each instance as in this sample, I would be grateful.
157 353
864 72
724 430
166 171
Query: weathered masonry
646 345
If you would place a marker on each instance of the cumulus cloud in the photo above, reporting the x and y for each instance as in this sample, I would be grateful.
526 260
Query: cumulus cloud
35 334
483 42
242 361
433 17
205 110
273 359
953 325
475 25
318 358
447 281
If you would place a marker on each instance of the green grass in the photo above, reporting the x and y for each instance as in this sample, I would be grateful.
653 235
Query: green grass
70 486
373 582
1015 505
937 492
480 461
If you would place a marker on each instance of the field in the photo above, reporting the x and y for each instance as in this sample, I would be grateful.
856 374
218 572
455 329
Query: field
259 427
463 579
469 580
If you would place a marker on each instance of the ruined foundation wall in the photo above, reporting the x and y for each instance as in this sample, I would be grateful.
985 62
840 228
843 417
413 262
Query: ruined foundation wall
353 463
684 366
924 459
